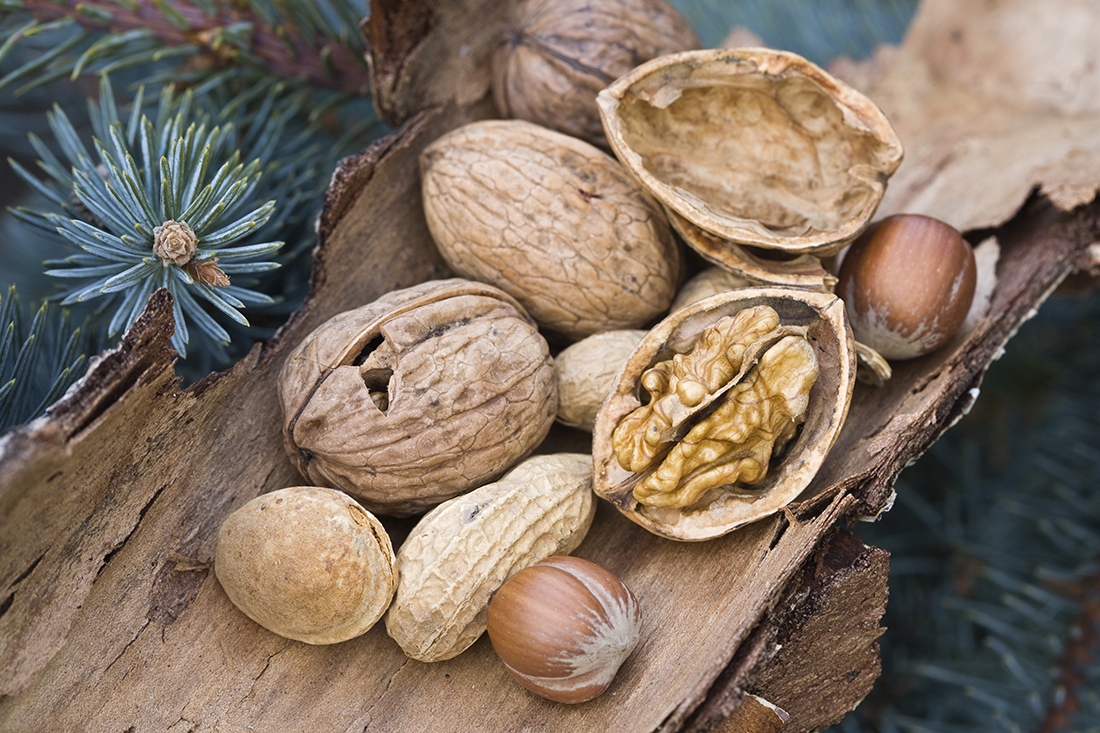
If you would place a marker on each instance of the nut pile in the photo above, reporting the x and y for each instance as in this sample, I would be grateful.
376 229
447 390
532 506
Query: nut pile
711 401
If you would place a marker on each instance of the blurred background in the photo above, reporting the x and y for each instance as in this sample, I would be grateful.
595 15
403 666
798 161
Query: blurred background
994 612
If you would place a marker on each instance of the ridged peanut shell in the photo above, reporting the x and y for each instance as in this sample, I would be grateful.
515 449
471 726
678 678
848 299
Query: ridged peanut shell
821 317
423 394
756 146
553 221
707 282
462 551
586 372
307 563
560 53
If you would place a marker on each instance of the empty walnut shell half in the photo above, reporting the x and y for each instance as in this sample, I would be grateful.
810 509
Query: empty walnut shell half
724 412
757 146
422 395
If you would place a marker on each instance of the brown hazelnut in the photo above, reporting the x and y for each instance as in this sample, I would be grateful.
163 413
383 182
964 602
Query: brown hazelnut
307 563
563 627
907 284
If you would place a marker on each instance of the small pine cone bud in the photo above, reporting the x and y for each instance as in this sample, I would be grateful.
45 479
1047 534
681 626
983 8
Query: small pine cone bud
207 272
175 243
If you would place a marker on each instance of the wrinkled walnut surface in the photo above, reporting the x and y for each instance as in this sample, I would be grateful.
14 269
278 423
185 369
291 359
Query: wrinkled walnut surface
561 53
553 221
307 563
425 393
757 146
462 551
664 428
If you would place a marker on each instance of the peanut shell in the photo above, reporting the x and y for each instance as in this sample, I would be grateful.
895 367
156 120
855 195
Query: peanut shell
586 373
459 553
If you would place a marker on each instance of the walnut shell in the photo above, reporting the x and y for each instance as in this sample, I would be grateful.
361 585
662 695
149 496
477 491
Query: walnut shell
553 221
818 319
759 266
423 394
307 563
560 53
756 146
462 551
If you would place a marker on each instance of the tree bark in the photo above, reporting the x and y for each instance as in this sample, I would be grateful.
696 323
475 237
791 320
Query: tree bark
110 618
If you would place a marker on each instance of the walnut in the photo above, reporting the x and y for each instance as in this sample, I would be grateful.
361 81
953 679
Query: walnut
553 221
559 54
757 265
734 444
756 146
419 396
725 411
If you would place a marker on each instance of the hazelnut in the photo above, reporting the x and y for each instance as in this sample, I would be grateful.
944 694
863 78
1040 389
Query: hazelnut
907 284
307 563
563 627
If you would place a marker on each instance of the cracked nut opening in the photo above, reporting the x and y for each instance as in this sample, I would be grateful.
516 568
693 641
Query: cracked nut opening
725 410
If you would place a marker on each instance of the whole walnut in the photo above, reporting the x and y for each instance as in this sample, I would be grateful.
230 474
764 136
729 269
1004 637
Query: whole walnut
553 221
560 53
426 393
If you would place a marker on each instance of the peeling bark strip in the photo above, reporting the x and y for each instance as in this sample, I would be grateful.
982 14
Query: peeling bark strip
60 522
832 617
129 466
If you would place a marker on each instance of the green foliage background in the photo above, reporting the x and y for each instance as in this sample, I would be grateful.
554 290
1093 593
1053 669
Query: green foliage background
994 615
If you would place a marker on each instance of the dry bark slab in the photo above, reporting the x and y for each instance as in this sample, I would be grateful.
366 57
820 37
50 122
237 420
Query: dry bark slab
110 616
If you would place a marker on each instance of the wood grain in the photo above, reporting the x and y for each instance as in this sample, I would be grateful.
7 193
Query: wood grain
111 619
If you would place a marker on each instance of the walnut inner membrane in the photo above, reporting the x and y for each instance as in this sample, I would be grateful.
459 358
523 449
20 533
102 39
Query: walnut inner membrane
375 364
793 165
719 413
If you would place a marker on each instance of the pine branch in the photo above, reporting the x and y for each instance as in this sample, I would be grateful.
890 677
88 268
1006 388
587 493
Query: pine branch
226 35
1080 658
40 357
157 205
